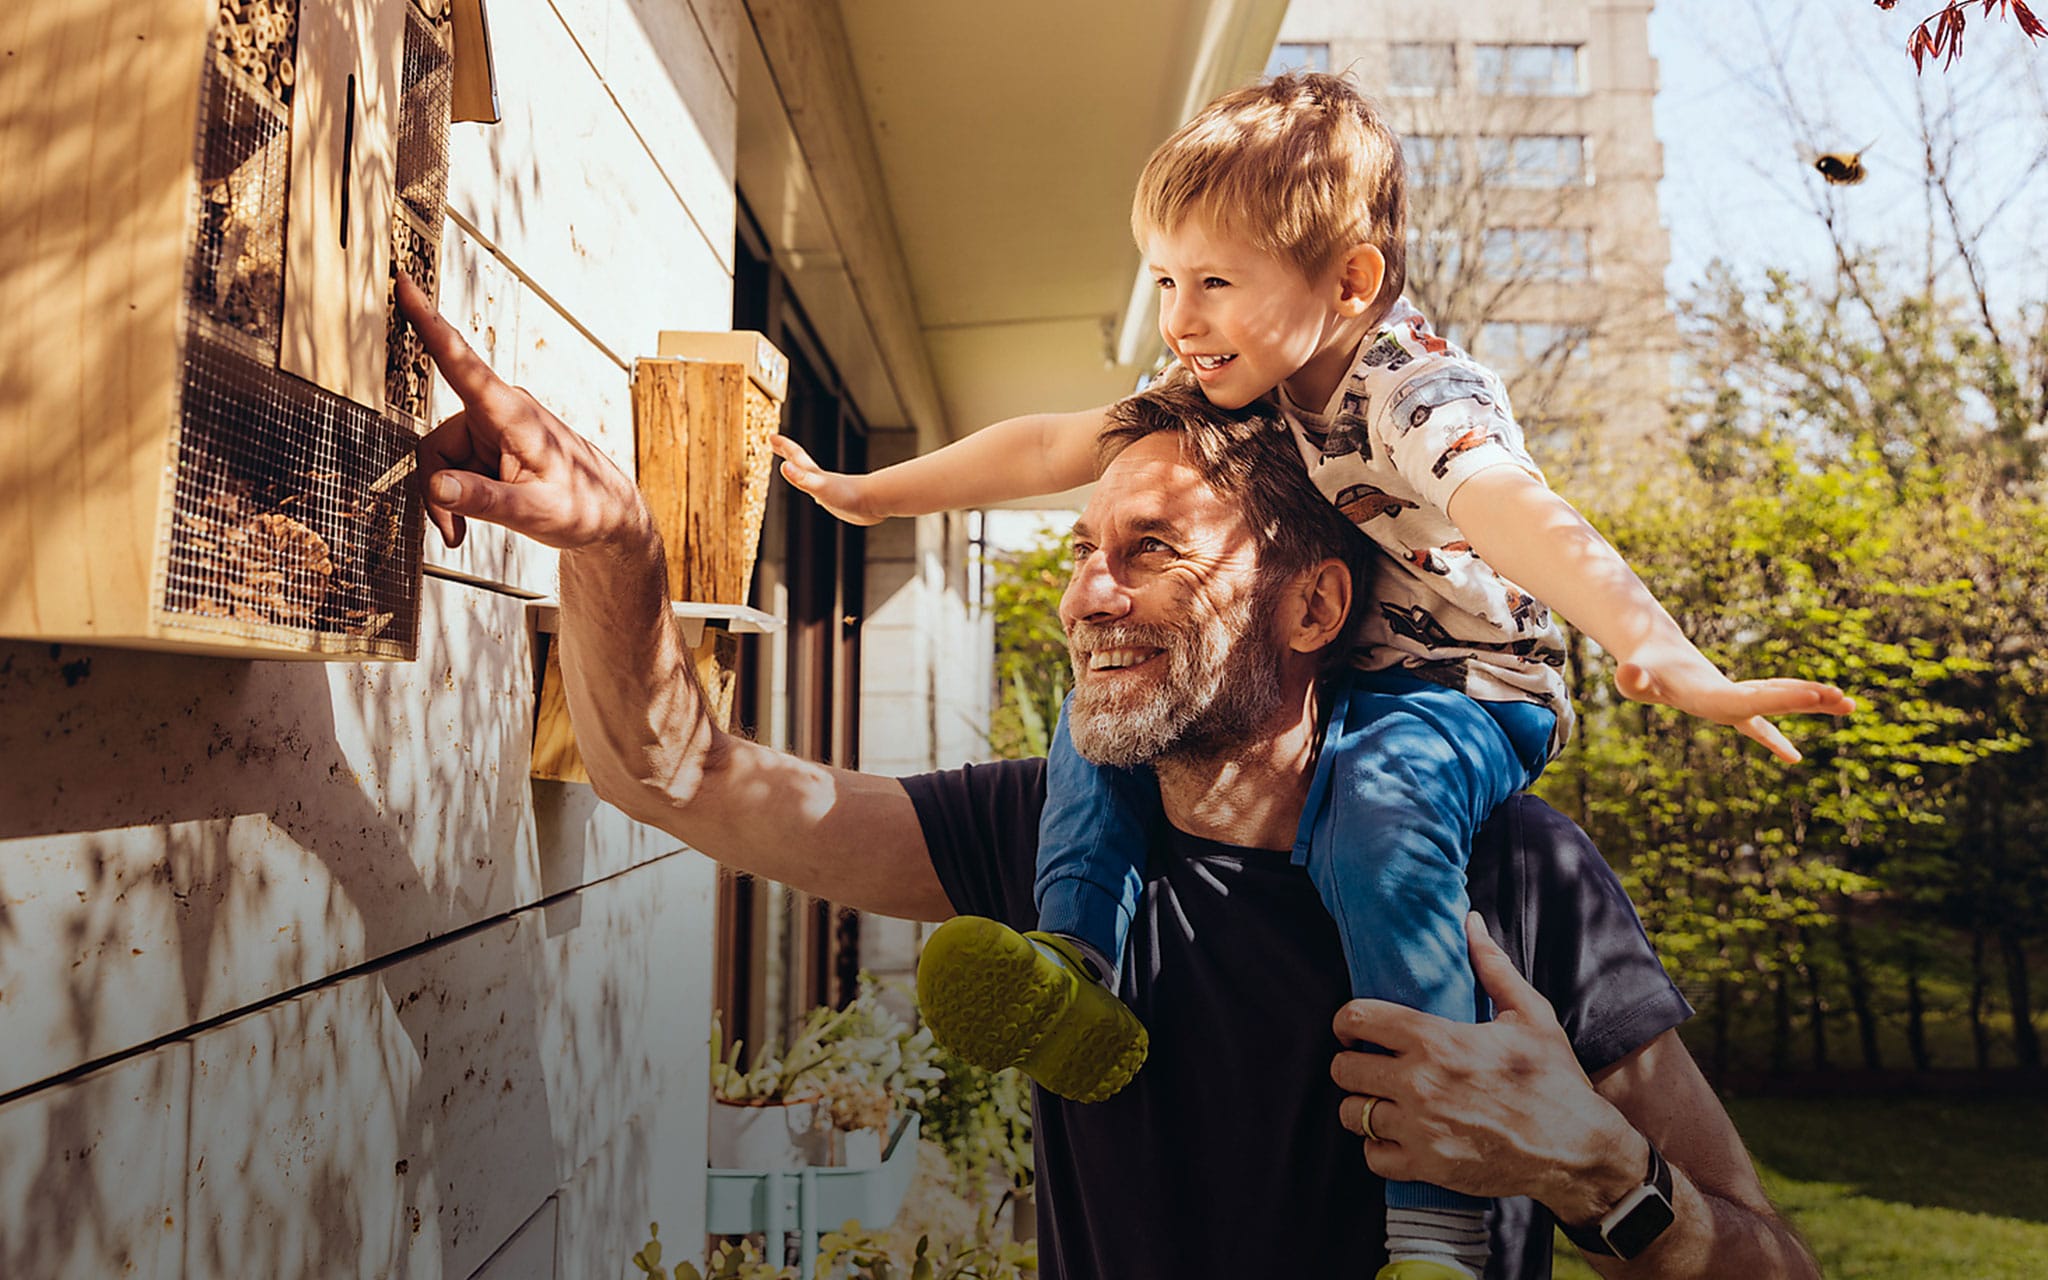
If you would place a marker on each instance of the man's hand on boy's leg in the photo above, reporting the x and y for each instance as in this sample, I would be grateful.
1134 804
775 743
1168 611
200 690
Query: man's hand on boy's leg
845 496
1498 1108
1695 686
504 458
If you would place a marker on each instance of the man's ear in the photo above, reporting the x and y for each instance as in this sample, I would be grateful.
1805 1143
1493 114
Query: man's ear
1324 599
1365 268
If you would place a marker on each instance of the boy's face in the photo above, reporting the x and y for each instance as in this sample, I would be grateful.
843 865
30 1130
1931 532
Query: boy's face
1241 320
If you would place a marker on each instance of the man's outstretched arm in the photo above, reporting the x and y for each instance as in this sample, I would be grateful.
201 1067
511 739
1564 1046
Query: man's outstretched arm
640 717
1502 1109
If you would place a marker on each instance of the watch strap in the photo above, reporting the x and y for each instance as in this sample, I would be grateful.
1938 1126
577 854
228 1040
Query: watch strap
1641 1216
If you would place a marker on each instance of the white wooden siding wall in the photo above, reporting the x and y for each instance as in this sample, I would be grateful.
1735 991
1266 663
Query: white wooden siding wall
299 973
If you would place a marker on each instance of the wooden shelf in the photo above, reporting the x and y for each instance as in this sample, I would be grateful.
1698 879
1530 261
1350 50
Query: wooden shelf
693 618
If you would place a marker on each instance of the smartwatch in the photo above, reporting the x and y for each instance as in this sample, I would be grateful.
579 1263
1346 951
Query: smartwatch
1633 1225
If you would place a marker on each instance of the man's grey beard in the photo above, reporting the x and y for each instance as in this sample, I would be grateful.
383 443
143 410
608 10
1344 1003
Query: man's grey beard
1222 684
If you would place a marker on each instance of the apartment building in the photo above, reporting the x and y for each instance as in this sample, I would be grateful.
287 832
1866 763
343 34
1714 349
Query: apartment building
1534 234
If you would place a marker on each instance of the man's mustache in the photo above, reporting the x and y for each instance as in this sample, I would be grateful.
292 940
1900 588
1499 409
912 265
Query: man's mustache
1092 637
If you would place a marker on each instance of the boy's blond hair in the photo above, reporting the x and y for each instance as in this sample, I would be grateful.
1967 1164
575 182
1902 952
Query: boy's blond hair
1301 166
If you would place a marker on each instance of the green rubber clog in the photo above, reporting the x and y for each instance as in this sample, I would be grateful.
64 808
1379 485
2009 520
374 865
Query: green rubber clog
1000 998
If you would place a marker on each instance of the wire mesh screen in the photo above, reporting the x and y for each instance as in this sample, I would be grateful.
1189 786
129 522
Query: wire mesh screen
293 521
236 278
428 83
422 169
293 509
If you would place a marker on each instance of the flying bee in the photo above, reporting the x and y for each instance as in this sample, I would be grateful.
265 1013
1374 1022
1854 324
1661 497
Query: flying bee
1842 168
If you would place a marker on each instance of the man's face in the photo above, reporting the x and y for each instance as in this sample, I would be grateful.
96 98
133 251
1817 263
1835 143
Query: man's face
1172 642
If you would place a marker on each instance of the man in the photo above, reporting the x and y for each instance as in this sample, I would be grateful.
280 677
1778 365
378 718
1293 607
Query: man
1221 1159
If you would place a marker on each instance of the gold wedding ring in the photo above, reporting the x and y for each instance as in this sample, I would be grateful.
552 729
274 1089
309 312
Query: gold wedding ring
1365 1120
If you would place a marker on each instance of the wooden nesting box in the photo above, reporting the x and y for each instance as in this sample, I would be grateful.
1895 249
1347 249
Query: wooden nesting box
208 410
702 415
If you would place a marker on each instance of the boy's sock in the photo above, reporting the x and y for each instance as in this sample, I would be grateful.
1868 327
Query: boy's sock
1438 1238
1106 971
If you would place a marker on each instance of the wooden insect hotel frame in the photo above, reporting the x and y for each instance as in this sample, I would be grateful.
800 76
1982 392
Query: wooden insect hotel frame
702 415
209 408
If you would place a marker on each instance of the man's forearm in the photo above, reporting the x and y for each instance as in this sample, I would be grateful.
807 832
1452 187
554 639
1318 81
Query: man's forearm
639 713
651 748
1723 1224
1712 1237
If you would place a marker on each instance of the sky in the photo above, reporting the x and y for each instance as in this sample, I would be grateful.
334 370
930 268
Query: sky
1738 183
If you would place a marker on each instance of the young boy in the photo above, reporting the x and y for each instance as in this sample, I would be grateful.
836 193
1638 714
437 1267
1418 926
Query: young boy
1275 223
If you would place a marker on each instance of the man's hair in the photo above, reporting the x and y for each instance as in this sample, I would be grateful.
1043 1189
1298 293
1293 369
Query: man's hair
1249 457
1301 166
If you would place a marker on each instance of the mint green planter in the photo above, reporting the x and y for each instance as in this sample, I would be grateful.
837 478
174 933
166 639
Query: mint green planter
812 1201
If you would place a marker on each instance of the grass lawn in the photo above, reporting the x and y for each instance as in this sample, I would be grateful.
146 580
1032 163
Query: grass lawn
1902 1189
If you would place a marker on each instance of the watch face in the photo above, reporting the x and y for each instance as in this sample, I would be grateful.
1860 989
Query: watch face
1640 1229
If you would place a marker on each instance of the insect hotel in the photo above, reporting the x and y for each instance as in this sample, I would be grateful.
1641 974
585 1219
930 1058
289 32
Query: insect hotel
209 407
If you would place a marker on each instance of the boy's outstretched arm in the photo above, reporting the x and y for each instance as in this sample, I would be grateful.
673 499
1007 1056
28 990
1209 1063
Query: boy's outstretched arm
1540 542
1027 457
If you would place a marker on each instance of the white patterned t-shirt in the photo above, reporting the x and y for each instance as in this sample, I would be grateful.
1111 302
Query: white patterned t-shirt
1412 421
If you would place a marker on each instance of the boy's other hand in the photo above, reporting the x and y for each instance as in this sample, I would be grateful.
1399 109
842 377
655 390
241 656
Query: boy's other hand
1698 688
504 458
843 495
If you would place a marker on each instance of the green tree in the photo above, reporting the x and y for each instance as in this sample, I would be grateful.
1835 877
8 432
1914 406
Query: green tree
1032 669
1861 507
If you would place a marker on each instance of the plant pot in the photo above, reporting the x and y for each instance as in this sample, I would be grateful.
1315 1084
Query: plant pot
858 1148
772 1135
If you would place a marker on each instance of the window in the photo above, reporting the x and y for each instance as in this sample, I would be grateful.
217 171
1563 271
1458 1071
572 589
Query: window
1524 342
1534 160
1537 253
779 951
1541 69
1435 255
1432 159
1298 57
1422 68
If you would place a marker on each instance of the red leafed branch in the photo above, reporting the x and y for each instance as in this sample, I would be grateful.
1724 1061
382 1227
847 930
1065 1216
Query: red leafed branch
1941 35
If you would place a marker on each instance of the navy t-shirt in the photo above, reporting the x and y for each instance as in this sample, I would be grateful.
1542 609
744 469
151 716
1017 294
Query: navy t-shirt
1224 1157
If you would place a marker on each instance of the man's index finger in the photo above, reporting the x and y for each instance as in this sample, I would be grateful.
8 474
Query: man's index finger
464 369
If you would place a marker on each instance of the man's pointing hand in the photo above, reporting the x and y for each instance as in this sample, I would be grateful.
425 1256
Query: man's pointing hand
504 458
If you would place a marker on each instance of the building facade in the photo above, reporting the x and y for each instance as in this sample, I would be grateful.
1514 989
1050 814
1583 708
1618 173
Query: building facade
301 972
1534 235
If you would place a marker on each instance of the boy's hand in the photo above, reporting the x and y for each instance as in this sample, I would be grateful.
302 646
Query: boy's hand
504 458
843 495
1695 686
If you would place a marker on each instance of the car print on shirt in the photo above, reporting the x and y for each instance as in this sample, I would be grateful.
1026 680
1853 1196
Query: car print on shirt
1524 610
1430 342
1417 624
1362 502
1417 400
1431 559
1347 437
1387 353
1463 444
1413 622
1534 649
1451 673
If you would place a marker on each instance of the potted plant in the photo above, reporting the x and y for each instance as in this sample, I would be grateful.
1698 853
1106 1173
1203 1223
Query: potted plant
767 1114
884 1066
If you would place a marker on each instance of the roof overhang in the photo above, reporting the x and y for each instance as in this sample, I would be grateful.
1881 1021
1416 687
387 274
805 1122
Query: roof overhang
956 179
